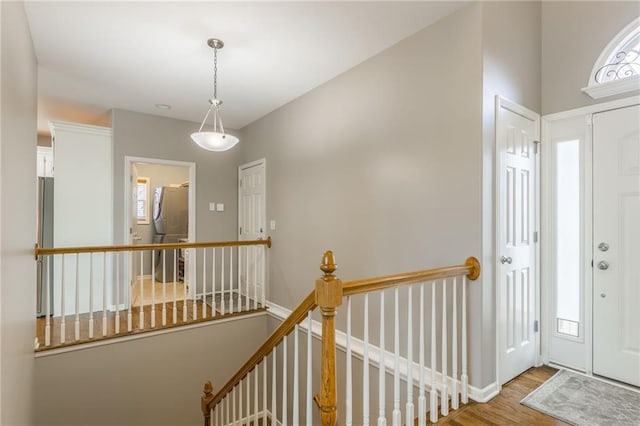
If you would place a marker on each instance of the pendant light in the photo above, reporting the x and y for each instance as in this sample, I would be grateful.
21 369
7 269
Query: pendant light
216 139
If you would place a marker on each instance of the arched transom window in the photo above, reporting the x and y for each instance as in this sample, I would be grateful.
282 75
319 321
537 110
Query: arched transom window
617 70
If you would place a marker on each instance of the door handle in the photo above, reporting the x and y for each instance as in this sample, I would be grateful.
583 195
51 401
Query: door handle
504 260
603 265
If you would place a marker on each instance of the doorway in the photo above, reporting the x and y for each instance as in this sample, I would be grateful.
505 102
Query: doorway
592 238
148 182
517 136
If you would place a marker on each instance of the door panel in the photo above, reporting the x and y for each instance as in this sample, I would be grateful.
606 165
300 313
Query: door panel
252 223
516 278
616 213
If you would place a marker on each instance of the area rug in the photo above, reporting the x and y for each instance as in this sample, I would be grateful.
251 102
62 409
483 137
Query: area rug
581 400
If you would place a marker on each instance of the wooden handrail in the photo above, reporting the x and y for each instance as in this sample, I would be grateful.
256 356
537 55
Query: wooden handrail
296 317
39 251
326 291
471 269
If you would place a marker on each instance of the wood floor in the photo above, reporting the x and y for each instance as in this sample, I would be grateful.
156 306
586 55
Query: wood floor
148 312
505 409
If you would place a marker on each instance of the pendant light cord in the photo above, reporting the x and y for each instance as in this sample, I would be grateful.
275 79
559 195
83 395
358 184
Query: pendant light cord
215 73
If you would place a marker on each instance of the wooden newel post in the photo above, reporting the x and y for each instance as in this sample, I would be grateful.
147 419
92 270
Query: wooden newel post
206 400
328 298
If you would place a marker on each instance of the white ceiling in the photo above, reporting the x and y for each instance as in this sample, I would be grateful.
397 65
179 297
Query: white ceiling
94 56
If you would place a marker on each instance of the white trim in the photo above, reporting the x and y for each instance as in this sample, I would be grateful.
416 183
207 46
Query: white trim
128 162
615 87
501 102
143 335
357 349
592 109
55 126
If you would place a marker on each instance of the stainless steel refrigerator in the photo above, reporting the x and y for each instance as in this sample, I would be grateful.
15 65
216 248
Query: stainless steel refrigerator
45 239
171 224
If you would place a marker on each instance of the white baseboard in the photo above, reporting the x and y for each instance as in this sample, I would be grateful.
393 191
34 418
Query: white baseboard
357 349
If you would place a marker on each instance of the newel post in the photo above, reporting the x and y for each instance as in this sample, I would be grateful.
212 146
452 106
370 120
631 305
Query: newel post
206 400
328 298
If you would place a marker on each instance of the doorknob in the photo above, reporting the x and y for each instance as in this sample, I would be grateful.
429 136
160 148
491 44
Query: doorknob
504 260
603 265
603 246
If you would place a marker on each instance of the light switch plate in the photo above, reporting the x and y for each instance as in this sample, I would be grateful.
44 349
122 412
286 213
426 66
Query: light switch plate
272 225
212 207
220 207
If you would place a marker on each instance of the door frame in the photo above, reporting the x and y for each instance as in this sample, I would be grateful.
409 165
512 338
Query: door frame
501 102
546 236
191 233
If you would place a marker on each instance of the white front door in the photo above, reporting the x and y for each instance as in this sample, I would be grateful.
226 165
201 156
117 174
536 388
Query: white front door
252 226
516 130
616 251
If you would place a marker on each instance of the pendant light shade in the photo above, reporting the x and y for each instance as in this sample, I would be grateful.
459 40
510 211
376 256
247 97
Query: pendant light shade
215 139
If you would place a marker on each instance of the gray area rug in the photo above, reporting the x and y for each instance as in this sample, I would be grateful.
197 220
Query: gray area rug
581 400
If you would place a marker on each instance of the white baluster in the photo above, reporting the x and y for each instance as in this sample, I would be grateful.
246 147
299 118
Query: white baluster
234 416
349 389
240 413
117 324
444 392
263 275
274 407
47 320
77 321
284 381
255 396
184 288
365 365
295 418
396 415
141 322
164 287
222 301
454 348
264 385
104 295
433 403
194 283
248 379
231 279
409 406
422 400
255 278
226 410
91 319
464 380
213 282
153 288
309 398
129 298
204 282
382 420
175 286
63 328
249 262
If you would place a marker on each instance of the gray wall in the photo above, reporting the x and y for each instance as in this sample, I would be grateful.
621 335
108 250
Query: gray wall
149 381
511 44
18 215
143 135
573 36
381 164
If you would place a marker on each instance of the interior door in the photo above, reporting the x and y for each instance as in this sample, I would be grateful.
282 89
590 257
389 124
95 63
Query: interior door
134 237
616 236
252 226
517 129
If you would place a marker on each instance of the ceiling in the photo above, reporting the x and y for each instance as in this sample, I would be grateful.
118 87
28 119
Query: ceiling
95 56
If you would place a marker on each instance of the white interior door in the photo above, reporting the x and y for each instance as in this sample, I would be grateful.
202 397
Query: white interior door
516 130
616 236
252 226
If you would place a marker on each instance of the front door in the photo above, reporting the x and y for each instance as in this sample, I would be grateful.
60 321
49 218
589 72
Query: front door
252 226
517 131
616 237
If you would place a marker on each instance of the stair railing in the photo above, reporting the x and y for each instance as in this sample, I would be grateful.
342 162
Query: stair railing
229 407
86 294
